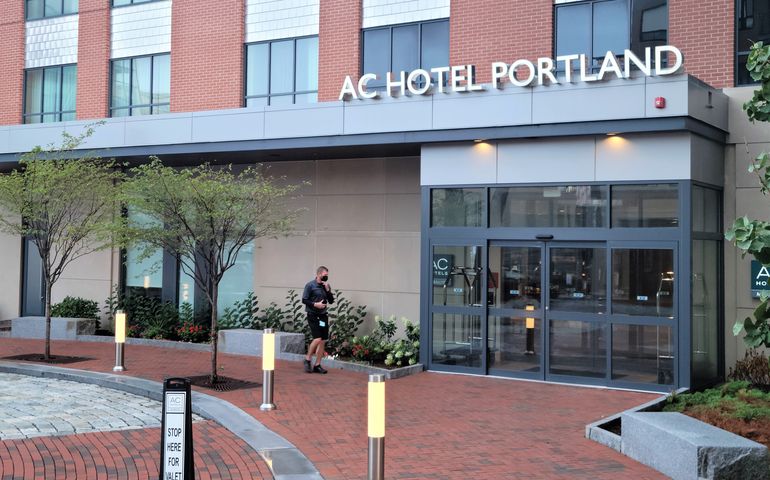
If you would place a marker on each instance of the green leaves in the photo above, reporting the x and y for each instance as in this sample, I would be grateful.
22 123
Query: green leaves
758 65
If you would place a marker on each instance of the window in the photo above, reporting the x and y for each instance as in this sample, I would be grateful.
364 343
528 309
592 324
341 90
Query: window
37 9
753 25
457 207
121 3
141 85
282 72
49 94
404 48
557 206
596 27
645 206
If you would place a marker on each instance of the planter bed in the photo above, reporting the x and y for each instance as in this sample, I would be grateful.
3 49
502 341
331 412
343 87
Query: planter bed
199 347
389 374
680 446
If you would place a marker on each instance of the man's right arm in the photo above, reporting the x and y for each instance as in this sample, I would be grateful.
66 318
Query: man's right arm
306 296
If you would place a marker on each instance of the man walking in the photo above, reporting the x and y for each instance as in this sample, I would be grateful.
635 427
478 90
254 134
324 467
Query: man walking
317 296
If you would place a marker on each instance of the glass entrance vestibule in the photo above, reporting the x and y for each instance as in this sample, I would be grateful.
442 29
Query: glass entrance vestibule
596 284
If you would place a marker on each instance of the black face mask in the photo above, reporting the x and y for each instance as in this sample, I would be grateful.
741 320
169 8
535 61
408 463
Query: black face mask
325 278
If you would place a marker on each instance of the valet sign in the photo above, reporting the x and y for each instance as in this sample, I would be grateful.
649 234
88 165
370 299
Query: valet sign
174 436
520 73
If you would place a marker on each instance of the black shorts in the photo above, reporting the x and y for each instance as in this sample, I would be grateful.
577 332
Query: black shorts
318 331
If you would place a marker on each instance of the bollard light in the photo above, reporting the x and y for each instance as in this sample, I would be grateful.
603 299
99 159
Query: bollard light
268 369
120 340
530 324
376 427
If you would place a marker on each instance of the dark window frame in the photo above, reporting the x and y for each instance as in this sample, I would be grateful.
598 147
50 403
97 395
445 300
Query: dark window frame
595 68
739 53
133 2
59 112
130 107
28 19
375 85
293 94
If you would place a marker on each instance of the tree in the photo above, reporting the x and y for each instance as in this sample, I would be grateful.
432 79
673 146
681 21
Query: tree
753 236
64 202
204 216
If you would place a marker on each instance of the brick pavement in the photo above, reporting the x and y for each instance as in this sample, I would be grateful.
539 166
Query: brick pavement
127 455
438 426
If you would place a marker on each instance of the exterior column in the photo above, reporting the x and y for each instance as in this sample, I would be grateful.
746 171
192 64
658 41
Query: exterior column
207 51
94 43
511 30
705 33
339 45
13 41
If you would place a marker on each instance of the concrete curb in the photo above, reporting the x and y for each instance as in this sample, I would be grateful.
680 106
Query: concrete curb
284 459
595 431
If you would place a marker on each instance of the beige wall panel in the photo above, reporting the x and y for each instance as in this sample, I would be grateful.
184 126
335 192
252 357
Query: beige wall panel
90 289
296 172
10 280
402 261
350 212
354 261
284 262
405 305
402 213
741 130
744 156
402 175
373 302
356 176
306 222
751 202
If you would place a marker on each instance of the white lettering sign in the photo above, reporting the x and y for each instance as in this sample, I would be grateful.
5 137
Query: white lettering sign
174 436
520 73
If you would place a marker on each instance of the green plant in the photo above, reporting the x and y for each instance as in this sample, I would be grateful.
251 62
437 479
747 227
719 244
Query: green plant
405 351
76 307
151 317
243 314
754 368
753 236
345 319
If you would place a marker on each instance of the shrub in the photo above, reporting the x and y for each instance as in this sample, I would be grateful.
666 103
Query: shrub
345 319
190 332
76 307
151 317
407 350
754 368
243 314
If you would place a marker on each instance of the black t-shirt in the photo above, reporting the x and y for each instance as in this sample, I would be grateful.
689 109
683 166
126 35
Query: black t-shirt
315 292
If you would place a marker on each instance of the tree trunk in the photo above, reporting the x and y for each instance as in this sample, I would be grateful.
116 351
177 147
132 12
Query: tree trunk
214 333
47 355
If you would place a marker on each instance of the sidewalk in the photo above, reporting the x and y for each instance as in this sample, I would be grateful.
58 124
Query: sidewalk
438 426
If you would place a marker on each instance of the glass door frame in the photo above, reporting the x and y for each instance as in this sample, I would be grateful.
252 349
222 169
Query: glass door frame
566 315
538 314
480 311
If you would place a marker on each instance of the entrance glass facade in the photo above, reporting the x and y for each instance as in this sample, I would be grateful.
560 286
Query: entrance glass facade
597 283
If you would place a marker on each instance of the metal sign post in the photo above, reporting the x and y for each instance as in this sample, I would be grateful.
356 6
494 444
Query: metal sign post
176 446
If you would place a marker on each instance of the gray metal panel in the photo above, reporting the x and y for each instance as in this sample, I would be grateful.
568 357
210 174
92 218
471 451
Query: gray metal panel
109 134
388 115
296 121
553 160
663 156
493 109
588 104
24 137
458 164
217 126
159 129
675 94
707 161
711 109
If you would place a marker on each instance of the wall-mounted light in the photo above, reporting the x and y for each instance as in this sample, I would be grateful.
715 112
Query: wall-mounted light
268 369
120 340
376 427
